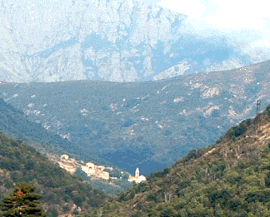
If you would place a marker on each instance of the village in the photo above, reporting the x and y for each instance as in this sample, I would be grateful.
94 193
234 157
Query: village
94 171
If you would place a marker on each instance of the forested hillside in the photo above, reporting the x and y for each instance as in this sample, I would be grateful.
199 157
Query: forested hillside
16 124
229 178
61 192
143 124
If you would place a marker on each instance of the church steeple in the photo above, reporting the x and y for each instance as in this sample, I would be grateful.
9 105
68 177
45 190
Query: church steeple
137 172
137 178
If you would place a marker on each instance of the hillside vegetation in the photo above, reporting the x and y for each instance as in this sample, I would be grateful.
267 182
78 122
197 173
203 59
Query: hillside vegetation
229 178
61 192
16 124
143 124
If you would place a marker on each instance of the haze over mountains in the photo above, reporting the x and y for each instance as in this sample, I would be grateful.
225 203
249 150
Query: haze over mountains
125 85
144 124
117 40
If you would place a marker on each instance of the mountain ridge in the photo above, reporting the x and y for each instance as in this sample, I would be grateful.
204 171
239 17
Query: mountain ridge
228 178
99 40
15 124
145 123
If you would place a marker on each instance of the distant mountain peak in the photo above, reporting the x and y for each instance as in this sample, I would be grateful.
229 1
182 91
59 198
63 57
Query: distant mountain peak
103 40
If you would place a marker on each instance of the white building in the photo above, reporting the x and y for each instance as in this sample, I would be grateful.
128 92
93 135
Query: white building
137 178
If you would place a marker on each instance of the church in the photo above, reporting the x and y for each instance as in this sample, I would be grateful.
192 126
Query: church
137 178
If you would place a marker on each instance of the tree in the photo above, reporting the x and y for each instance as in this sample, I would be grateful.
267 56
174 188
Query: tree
22 202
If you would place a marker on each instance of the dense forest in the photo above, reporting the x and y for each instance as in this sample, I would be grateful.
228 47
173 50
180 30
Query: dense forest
229 178
17 125
61 192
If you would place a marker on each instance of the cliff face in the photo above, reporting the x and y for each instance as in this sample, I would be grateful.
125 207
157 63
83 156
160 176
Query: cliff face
114 40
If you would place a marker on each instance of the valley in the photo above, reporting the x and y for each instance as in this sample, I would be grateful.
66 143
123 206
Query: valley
143 124
228 178
125 108
15 124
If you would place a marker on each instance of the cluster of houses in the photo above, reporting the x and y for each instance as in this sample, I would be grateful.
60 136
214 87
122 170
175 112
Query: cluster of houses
92 170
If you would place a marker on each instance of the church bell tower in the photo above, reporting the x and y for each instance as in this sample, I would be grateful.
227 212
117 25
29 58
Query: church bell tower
137 172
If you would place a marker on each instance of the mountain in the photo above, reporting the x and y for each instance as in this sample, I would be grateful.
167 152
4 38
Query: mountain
17 125
144 124
229 178
62 193
116 40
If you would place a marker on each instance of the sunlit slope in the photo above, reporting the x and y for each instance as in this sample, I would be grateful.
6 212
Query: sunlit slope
229 178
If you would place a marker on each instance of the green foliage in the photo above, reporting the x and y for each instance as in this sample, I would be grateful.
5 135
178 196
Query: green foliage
21 163
160 173
230 178
112 187
237 131
142 187
22 202
52 211
125 196
103 127
268 110
258 196
78 200
190 155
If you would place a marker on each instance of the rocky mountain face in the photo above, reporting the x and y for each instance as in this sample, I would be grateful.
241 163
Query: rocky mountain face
116 40
144 124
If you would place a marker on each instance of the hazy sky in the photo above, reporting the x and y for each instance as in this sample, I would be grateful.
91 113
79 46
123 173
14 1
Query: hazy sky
246 21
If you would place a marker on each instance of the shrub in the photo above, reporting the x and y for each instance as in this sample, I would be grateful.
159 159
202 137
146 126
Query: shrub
78 200
190 155
268 110
160 173
53 212
262 196
66 208
237 131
